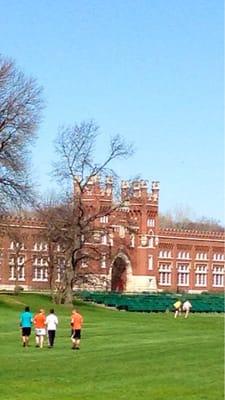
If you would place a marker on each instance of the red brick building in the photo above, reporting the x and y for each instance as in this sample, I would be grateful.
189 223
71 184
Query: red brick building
143 257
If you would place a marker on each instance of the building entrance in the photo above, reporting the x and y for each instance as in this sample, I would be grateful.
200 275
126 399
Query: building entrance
121 269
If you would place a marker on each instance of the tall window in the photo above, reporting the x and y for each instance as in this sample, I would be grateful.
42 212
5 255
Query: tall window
58 248
40 269
201 275
218 276
16 268
20 273
103 261
150 262
165 274
183 274
122 231
104 239
12 269
104 219
132 240
111 239
150 222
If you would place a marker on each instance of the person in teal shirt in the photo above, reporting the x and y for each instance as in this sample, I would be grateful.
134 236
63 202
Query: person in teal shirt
26 319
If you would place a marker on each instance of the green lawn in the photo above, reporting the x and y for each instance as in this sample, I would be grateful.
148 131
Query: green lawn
123 356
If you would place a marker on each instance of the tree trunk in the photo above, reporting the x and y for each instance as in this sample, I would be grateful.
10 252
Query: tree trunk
64 294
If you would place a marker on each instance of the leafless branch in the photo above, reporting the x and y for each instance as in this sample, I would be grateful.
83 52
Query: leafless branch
20 113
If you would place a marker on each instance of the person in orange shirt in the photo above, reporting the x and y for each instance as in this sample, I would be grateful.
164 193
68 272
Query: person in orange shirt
76 323
40 328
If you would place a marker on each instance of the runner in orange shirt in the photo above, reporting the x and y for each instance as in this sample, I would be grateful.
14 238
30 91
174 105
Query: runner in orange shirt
40 328
76 324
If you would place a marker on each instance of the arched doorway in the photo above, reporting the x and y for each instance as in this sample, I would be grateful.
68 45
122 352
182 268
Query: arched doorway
121 273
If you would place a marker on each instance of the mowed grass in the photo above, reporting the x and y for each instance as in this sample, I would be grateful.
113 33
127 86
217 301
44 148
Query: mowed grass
123 356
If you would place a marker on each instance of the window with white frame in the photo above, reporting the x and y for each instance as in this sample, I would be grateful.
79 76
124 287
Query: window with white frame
165 274
165 254
201 275
183 274
20 268
12 268
218 257
11 260
16 268
183 255
12 245
104 238
111 238
40 246
16 245
58 248
104 219
122 231
150 262
40 269
20 260
82 238
21 273
218 276
132 240
103 261
201 255
150 222
12 272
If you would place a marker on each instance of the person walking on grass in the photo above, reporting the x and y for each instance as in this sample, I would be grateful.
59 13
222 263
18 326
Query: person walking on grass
187 307
76 323
177 308
26 319
40 330
51 324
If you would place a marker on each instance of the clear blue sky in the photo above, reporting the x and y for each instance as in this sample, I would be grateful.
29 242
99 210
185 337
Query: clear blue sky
151 70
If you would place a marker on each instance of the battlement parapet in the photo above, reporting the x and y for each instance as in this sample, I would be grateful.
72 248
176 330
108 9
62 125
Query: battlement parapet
138 189
21 221
94 187
130 190
155 185
192 233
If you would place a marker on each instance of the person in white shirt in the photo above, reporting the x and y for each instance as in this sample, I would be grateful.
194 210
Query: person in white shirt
186 308
51 324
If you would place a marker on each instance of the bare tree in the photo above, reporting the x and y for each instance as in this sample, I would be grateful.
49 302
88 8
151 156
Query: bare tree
72 222
20 111
182 218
